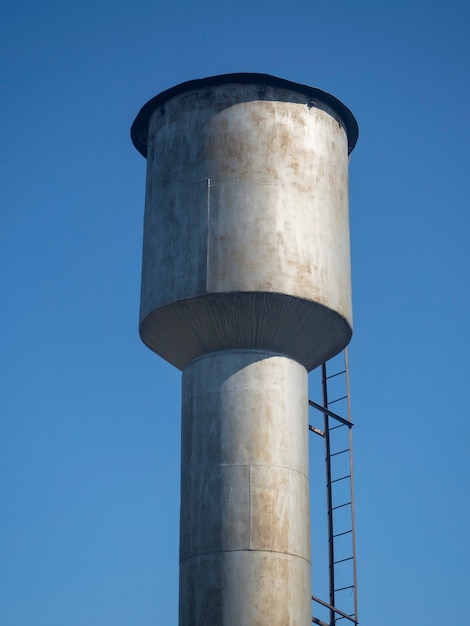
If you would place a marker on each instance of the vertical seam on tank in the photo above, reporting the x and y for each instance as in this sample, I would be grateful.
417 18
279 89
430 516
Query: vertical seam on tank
208 231
249 508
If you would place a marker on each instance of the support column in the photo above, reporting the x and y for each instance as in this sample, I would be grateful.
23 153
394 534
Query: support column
245 531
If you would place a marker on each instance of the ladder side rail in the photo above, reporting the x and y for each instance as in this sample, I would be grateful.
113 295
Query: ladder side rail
329 498
351 472
324 409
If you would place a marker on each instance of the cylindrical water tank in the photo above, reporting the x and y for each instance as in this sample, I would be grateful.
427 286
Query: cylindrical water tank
246 240
245 286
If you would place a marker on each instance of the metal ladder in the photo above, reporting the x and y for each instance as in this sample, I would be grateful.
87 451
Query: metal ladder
336 431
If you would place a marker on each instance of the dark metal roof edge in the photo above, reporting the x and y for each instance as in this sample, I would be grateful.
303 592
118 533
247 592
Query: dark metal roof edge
140 125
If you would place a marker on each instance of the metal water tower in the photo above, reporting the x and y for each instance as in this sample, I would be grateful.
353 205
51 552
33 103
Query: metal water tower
246 287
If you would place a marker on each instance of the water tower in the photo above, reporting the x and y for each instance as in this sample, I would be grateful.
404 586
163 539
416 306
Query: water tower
245 288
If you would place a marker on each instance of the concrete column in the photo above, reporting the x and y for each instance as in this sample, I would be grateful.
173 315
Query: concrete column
244 544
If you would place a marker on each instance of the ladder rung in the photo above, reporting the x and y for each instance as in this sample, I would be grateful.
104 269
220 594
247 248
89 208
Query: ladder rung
339 426
344 589
346 532
337 374
350 558
336 480
337 400
340 506
341 452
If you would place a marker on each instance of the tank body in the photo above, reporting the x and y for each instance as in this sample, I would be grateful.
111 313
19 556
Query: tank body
246 240
245 287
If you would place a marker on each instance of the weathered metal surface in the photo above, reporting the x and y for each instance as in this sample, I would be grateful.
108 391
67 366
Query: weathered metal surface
246 211
245 540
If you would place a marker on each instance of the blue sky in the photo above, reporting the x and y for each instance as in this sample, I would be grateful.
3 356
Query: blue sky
89 417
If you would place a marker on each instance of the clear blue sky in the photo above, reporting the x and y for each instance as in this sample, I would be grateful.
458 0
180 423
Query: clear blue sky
89 442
